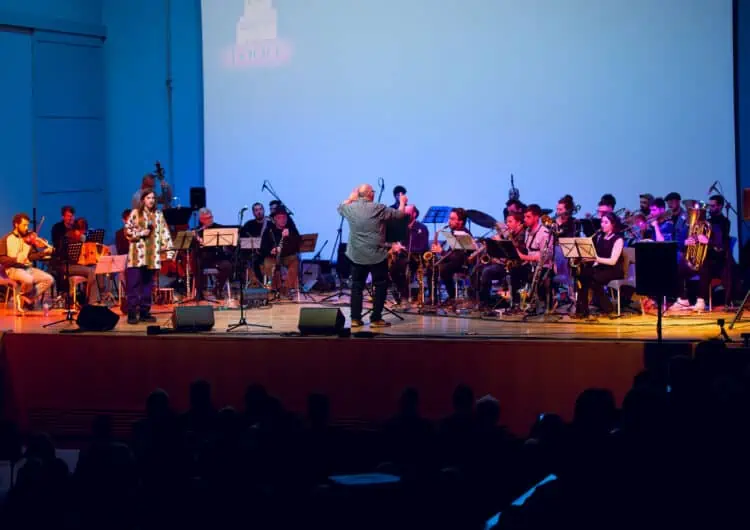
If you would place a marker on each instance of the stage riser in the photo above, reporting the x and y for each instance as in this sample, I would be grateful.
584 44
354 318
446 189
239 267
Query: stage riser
57 383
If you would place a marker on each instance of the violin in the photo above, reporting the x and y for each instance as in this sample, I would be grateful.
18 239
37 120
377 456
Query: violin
32 239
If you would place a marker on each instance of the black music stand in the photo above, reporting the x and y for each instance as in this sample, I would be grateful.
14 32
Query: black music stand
183 242
308 242
745 305
437 215
71 253
235 274
95 236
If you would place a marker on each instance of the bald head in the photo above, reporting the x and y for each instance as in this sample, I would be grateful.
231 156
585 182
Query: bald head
366 192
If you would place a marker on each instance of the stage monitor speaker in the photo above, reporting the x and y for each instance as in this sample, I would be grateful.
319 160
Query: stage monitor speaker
321 321
656 272
197 198
193 318
96 318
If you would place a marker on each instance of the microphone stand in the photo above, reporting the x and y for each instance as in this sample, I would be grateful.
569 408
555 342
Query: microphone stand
336 242
235 273
267 186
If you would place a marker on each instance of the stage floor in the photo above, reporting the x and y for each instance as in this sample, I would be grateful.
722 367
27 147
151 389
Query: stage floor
284 316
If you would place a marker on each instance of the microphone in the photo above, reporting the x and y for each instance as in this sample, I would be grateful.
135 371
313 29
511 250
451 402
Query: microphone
244 209
381 182
713 187
513 194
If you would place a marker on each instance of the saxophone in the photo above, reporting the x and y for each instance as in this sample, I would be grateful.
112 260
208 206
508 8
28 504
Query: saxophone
532 291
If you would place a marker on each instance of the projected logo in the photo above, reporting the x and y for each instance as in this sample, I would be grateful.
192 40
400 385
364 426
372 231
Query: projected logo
257 42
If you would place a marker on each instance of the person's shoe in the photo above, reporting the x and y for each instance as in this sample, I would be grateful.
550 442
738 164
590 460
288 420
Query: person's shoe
379 324
357 324
146 317
680 305
700 306
132 317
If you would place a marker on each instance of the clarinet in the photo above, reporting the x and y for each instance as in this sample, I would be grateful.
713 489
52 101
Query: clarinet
278 253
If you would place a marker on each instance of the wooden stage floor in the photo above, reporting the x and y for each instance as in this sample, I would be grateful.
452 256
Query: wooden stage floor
284 316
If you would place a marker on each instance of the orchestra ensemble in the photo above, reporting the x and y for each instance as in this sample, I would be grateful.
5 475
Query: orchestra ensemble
516 266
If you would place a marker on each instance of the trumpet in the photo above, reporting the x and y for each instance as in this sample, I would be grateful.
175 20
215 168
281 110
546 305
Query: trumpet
428 256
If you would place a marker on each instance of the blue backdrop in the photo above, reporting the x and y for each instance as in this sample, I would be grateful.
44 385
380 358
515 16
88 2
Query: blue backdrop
449 98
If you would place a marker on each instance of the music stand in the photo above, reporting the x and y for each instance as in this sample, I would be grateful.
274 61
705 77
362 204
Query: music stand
307 244
71 253
577 248
95 236
437 215
183 241
251 244
108 265
232 234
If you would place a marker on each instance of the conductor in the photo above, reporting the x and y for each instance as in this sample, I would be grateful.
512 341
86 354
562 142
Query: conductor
367 249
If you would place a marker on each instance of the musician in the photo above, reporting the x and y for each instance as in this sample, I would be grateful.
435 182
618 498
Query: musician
278 205
398 191
16 257
255 227
660 227
538 238
608 200
75 234
565 224
514 231
284 238
679 218
149 236
717 257
211 257
122 245
408 252
608 266
148 182
367 249
645 202
513 206
452 261
68 217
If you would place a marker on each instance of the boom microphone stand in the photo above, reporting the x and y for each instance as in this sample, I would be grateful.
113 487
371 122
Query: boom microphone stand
71 252
235 273
340 291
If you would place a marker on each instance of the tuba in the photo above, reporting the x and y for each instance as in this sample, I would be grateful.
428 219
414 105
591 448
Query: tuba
695 254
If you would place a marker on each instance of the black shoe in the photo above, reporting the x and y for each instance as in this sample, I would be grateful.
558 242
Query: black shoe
146 317
132 317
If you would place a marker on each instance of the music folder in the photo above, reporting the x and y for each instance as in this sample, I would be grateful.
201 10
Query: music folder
502 249
220 237
308 242
577 247
460 240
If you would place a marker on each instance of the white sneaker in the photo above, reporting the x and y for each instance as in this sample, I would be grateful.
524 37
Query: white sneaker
680 305
700 305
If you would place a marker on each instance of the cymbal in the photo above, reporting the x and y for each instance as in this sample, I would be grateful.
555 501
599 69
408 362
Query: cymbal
690 203
481 219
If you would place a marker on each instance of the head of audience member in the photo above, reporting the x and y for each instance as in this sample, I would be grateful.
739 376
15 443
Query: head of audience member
259 212
68 214
488 412
318 410
412 213
280 219
463 399
715 205
408 403
673 201
205 217
594 411
658 207
532 215
457 219
514 222
21 224
645 202
398 191
200 395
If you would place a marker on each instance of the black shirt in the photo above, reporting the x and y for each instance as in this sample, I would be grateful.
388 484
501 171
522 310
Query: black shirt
122 245
58 233
718 243
604 247
253 228
272 238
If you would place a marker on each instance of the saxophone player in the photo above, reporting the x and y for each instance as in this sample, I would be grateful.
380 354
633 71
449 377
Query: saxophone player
407 253
455 260
539 246
716 259
514 231
279 247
